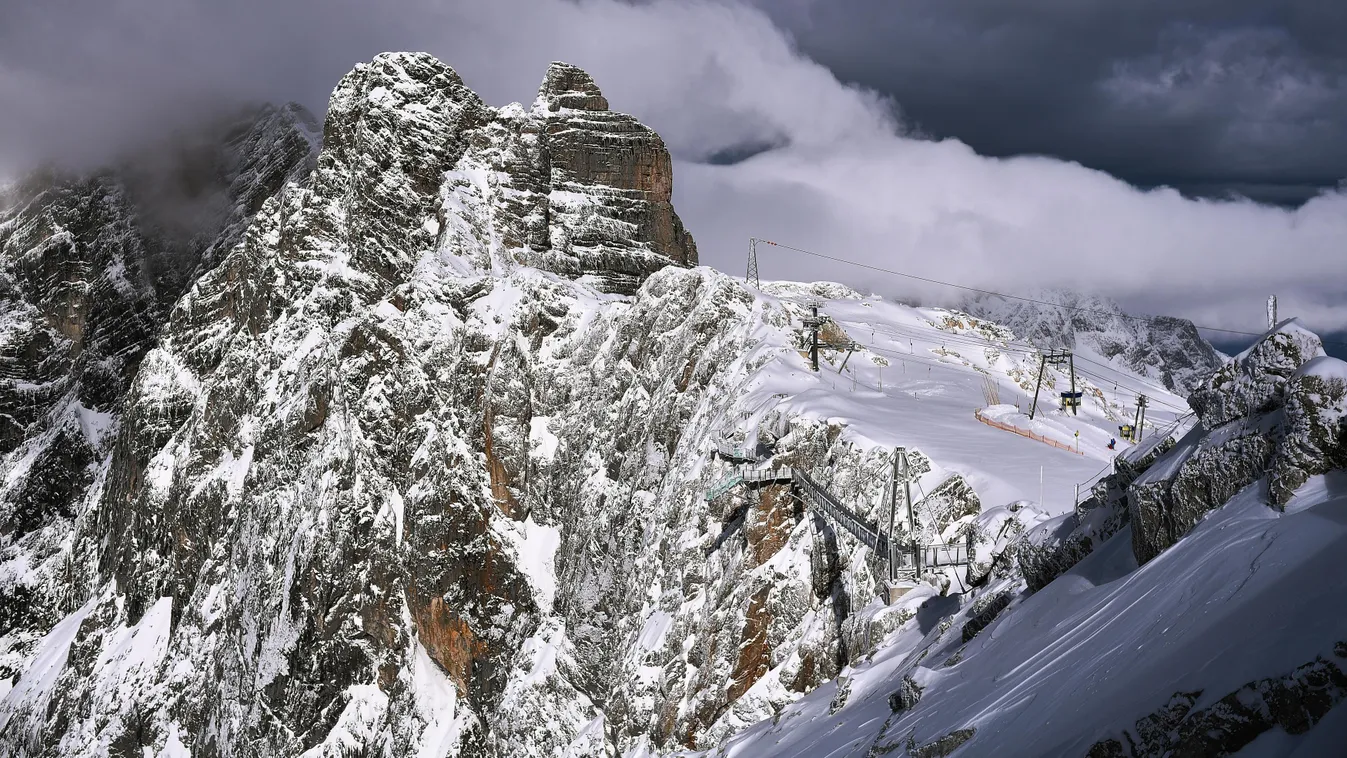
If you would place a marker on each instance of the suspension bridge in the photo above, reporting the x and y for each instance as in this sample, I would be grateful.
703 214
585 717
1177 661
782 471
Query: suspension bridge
906 559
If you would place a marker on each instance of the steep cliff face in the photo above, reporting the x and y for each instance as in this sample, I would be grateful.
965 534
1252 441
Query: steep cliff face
1169 350
315 506
89 267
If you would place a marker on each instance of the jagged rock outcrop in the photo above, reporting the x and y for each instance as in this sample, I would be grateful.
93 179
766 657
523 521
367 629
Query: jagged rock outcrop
1249 429
1314 426
984 612
1203 473
1294 702
1164 348
1055 546
951 500
1254 383
907 696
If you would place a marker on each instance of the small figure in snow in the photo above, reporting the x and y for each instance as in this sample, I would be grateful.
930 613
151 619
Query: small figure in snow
1111 443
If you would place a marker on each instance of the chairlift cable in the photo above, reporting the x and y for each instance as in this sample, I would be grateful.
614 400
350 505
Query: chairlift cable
1079 309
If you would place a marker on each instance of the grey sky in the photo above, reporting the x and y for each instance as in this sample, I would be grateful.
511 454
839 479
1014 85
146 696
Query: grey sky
1197 96
1208 95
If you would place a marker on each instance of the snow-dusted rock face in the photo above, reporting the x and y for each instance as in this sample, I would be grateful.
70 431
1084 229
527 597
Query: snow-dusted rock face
1260 413
1203 472
1255 381
89 267
1169 350
1055 546
1314 427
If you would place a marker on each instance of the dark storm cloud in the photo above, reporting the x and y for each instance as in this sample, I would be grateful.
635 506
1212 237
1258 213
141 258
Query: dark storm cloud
1207 95
770 143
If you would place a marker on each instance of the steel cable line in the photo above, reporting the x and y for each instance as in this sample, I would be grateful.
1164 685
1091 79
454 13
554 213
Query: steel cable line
1026 350
1166 405
911 333
1123 384
1118 382
1104 381
1009 346
918 360
1148 319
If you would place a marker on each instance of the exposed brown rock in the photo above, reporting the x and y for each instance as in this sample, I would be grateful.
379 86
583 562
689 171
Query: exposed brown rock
754 652
450 641
495 469
768 523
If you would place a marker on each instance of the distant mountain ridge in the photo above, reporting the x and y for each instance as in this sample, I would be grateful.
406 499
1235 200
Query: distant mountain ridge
1163 348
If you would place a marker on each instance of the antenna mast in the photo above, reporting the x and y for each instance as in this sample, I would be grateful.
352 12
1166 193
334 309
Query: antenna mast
1271 311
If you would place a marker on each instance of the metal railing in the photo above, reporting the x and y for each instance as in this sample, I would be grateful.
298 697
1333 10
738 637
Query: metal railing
723 486
934 556
729 450
773 474
862 529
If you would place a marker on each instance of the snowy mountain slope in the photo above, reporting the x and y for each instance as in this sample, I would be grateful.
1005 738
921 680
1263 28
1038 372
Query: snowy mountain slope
420 467
1235 630
1167 350
1227 637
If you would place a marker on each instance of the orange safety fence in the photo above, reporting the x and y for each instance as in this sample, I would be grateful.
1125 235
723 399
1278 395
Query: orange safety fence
1024 433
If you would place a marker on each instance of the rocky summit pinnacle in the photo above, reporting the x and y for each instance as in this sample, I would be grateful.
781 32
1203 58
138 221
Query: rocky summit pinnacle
567 186
567 86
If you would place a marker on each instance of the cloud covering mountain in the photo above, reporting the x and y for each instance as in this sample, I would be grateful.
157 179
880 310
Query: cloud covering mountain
830 166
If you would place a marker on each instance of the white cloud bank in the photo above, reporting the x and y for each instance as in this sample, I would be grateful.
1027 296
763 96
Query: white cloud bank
844 179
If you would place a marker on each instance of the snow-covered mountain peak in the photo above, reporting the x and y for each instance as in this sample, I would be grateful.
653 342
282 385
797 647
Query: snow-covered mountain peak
1165 349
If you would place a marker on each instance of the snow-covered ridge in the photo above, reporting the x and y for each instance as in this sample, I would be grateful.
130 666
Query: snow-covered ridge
1167 350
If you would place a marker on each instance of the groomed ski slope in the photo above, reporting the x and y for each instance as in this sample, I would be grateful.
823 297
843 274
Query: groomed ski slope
918 379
